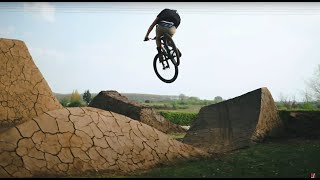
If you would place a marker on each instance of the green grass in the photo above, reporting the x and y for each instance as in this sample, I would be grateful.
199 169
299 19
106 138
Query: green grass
190 109
167 106
295 158
179 118
177 136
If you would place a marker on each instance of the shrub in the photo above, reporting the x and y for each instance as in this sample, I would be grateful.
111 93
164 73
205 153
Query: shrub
64 102
179 118
76 104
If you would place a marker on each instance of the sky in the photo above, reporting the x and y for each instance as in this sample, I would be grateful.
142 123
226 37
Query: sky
228 48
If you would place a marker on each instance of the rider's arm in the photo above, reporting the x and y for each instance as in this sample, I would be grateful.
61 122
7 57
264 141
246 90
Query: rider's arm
150 29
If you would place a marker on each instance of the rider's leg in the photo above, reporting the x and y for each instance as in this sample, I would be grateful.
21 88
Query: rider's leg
171 32
159 32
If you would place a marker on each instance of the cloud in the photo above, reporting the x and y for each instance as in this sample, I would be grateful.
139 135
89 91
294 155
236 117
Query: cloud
44 9
4 31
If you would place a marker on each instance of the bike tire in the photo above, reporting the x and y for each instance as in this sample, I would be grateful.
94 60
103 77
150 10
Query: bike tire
155 60
166 38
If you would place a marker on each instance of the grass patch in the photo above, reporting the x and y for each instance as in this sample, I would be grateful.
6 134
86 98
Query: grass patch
179 118
177 136
293 158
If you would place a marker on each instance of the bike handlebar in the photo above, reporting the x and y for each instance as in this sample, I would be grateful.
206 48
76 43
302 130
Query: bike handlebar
151 38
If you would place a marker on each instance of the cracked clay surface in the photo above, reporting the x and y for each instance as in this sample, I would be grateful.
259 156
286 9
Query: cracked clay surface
74 140
38 136
24 93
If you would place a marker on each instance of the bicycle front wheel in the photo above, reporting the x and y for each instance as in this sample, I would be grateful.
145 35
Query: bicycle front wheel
166 70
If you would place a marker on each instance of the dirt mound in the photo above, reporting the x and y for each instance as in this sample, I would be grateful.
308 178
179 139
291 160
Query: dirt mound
115 102
24 93
235 123
301 123
75 140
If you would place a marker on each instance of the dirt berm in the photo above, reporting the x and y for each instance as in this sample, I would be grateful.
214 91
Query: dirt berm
235 123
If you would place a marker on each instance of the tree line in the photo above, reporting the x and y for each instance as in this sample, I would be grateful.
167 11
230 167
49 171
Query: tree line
311 100
76 100
311 95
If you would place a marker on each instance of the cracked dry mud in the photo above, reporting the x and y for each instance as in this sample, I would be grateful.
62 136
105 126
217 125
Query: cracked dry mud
38 136
74 140
24 93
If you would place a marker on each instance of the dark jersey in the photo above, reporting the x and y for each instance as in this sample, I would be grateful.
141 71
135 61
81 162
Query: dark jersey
169 15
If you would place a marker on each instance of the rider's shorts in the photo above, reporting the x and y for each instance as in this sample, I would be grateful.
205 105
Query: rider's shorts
165 28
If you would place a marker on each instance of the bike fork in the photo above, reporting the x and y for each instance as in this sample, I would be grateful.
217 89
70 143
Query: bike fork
164 66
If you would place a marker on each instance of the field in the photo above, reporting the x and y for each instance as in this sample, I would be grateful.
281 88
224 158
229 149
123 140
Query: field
188 109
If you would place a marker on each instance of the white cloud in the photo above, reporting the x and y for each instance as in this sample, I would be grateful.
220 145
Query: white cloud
4 31
44 9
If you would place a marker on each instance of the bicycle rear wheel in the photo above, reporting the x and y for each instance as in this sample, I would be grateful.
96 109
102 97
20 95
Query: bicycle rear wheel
167 75
171 49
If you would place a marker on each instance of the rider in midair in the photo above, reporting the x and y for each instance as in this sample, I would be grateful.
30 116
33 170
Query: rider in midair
167 21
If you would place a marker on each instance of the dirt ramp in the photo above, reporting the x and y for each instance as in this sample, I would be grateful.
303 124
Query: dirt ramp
76 140
24 93
235 123
115 102
304 124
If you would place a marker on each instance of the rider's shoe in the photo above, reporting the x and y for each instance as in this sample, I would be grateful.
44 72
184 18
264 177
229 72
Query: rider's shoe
161 57
160 54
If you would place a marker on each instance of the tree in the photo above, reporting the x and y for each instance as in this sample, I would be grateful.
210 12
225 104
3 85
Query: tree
87 96
218 99
75 96
307 104
75 99
286 102
182 97
314 84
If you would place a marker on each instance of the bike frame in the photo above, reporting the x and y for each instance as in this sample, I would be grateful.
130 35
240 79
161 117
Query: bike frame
170 52
165 49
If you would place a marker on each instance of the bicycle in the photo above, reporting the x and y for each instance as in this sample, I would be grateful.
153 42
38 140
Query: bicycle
169 52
